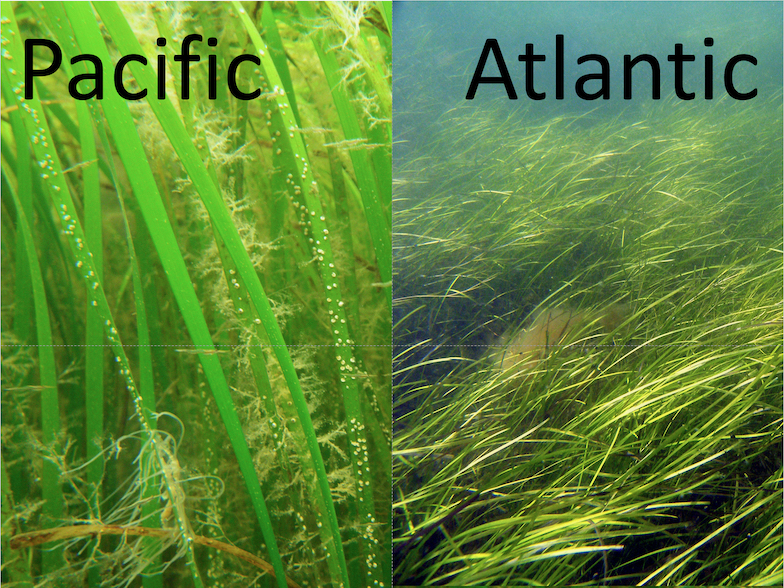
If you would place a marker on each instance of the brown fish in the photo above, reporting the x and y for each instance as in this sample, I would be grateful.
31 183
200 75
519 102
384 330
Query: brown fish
554 327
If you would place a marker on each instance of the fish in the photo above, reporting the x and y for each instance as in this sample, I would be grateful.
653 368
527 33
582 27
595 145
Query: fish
522 350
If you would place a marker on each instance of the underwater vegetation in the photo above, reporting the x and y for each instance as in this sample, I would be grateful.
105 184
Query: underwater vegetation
196 303
549 329
588 348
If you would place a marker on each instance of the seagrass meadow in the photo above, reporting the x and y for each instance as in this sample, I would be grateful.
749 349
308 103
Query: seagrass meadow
588 346
196 370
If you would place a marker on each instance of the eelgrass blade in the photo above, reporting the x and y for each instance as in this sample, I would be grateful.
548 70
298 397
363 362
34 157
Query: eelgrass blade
23 290
378 222
295 158
278 55
250 178
58 191
145 189
658 433
17 567
152 578
94 328
50 411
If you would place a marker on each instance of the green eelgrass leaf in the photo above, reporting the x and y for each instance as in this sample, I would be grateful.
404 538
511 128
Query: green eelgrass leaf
278 54
145 189
295 158
224 227
378 222
50 411
58 191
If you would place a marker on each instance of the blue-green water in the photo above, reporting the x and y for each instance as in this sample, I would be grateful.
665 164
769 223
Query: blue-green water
438 45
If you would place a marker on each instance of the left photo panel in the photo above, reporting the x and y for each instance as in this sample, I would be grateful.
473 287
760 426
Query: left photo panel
196 294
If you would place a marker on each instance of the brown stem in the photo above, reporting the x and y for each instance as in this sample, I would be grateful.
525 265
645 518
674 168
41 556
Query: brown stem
60 533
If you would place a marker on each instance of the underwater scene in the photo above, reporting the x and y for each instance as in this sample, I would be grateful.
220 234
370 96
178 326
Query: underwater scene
587 308
196 294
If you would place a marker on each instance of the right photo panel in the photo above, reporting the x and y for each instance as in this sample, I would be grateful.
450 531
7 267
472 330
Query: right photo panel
587 293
